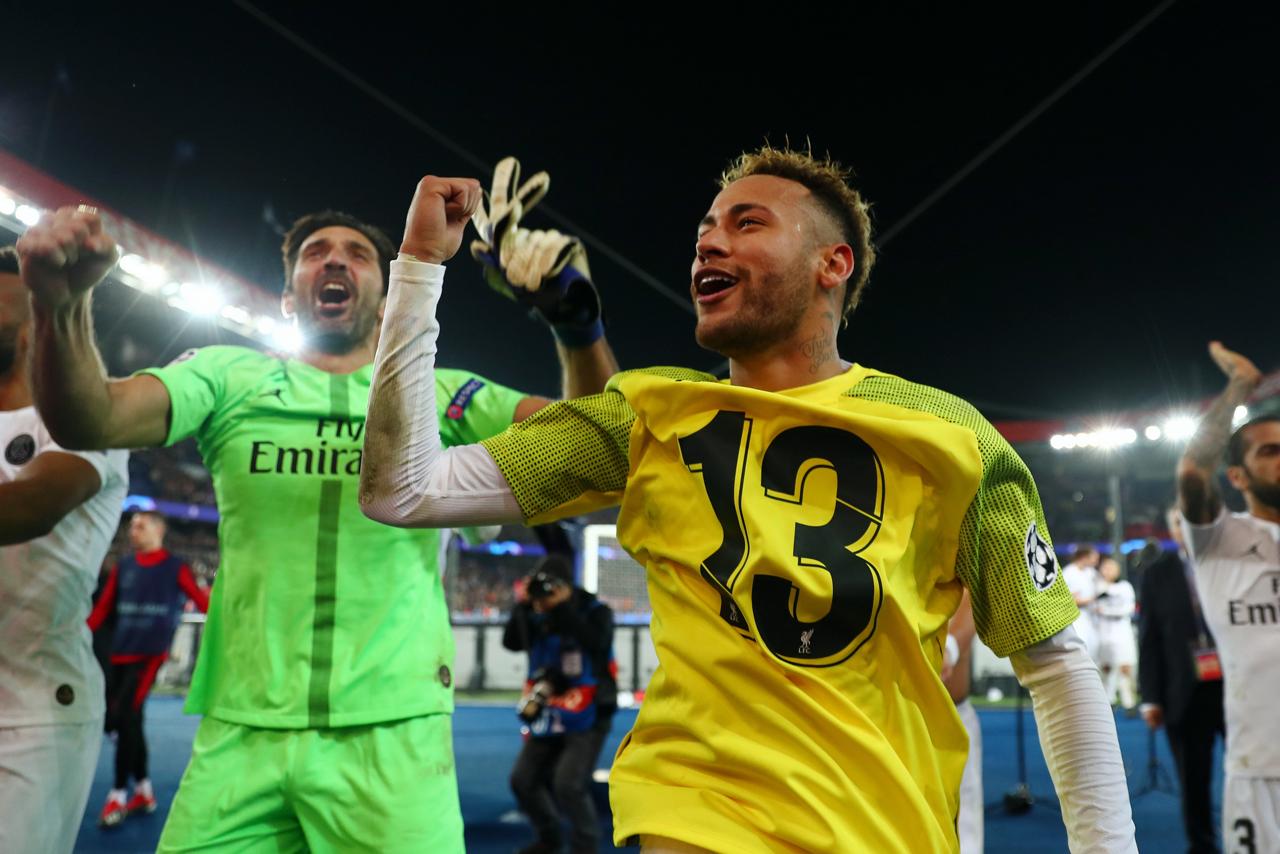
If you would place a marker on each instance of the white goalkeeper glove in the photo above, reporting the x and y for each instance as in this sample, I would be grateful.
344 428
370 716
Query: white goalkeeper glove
544 270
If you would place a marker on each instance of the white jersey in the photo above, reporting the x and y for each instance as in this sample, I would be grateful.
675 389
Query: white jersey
1237 566
1083 581
48 674
1113 618
1115 602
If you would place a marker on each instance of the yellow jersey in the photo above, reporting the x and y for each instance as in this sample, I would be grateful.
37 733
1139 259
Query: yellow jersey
804 551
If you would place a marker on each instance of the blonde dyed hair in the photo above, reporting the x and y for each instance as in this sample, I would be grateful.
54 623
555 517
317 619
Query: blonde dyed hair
828 182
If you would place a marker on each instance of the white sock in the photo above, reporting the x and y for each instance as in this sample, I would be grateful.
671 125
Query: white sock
143 787
117 795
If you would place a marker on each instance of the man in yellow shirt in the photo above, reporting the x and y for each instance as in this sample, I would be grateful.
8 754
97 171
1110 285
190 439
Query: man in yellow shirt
807 528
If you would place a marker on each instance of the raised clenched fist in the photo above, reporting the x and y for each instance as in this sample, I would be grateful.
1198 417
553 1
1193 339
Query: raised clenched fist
64 255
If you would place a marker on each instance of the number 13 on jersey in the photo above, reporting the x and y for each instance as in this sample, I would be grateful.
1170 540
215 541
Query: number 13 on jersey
816 605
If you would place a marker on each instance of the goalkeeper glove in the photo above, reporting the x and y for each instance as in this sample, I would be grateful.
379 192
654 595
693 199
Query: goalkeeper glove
544 270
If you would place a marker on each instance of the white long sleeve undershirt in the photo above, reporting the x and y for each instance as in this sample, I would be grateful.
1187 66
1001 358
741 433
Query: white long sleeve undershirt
411 481
408 479
1078 737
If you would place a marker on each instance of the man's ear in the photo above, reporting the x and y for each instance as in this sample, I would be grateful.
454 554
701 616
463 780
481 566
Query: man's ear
836 266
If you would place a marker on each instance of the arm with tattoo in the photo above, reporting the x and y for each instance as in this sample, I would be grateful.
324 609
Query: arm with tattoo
1198 496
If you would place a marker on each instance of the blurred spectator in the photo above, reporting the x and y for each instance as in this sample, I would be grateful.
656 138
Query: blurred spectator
141 601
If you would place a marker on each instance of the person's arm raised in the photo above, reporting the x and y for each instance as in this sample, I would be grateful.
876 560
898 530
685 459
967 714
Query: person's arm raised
1198 497
61 259
407 479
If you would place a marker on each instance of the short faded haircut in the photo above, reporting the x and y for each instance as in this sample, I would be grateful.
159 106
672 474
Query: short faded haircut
828 182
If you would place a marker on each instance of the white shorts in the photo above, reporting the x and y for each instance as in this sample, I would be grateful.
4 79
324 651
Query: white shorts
1251 815
1116 644
971 823
45 775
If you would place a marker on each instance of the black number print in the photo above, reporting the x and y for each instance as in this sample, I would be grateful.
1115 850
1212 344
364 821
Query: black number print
718 452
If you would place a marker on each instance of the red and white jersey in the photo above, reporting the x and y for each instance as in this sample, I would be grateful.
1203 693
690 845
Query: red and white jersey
48 674
1237 564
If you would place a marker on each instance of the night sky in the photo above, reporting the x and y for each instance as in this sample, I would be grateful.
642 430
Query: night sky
1081 268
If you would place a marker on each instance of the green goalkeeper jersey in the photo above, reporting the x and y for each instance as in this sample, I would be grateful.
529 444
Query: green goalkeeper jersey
319 616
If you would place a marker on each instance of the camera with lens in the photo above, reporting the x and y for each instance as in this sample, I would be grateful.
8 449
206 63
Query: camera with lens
547 683
542 584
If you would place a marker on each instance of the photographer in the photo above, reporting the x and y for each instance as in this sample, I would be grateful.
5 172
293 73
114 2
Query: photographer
570 697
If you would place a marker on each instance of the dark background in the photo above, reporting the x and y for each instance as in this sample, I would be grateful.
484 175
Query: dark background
1081 268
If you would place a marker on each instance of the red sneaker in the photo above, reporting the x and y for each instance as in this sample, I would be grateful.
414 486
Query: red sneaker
113 812
140 803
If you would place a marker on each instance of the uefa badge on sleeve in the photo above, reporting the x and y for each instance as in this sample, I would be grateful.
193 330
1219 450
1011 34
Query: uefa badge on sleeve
1041 562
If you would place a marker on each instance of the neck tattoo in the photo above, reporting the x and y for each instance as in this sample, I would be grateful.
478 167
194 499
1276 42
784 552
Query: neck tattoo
820 349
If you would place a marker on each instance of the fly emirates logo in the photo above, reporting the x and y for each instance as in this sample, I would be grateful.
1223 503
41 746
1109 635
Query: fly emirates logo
1242 612
319 457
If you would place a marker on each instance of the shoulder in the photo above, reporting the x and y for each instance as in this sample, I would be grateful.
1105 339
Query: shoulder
217 360
1251 522
225 354
669 374
880 387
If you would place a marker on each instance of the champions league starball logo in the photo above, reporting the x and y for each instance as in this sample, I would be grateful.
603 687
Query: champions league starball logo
1041 563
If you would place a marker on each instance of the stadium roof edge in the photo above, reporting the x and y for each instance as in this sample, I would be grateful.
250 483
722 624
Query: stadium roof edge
149 262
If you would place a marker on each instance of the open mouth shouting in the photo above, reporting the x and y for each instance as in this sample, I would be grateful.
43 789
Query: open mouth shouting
711 285
335 294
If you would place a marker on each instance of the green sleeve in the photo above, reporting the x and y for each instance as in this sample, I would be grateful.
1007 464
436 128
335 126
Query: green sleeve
573 456
1005 556
196 382
472 408
568 458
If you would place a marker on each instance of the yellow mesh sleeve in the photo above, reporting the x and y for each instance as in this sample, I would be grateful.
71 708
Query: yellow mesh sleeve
1016 601
572 457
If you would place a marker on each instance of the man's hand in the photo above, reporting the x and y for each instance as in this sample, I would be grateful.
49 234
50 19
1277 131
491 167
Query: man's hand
438 214
1239 369
509 201
1153 715
1198 498
64 255
542 270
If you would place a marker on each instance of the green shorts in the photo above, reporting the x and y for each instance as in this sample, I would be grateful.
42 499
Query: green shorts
382 787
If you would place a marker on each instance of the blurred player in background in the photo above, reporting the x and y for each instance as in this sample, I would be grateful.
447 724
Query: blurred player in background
1081 577
1113 611
1237 565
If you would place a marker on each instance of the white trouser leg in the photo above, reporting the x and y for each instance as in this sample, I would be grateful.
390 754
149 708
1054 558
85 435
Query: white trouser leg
45 776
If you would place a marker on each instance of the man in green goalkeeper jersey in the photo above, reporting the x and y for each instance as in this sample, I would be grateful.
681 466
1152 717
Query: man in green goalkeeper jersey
325 675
